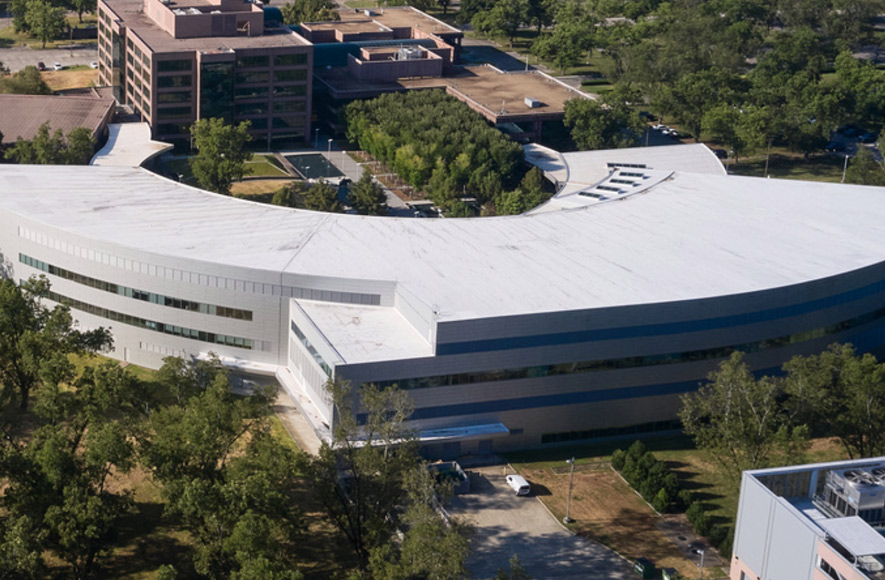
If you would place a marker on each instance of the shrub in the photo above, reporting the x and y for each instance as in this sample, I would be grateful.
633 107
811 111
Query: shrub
648 490
661 501
694 511
618 458
629 471
637 450
727 543
684 499
717 534
671 483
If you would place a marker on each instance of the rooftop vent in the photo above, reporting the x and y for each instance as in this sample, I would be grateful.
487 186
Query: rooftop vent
532 103
857 478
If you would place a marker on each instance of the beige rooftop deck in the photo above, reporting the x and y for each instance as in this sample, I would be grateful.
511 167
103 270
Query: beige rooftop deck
351 26
504 94
401 17
133 17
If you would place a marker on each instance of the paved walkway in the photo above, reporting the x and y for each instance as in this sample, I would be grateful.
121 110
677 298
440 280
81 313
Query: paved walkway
351 170
296 424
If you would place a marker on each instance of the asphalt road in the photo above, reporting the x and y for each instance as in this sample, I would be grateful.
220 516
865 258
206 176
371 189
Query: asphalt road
18 57
507 524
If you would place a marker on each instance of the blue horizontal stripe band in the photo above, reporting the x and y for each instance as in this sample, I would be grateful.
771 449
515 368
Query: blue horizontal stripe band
580 336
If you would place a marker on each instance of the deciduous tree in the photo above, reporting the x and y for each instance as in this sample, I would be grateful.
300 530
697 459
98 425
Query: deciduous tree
52 148
221 153
45 20
224 476
323 196
865 170
27 81
367 196
36 340
739 420
596 125
298 11
374 456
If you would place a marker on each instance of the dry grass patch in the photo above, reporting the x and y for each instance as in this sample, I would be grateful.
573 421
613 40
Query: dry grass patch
608 510
71 78
253 187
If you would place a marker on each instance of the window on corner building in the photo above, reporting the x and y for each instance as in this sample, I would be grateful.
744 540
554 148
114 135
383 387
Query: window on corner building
288 122
288 106
253 61
173 81
289 76
174 65
176 97
289 59
252 77
290 91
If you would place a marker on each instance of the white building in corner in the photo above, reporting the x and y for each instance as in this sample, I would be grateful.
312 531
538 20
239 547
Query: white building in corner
812 522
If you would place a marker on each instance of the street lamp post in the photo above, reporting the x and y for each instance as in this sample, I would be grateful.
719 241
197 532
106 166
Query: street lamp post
568 503
845 168
701 565
316 138
329 157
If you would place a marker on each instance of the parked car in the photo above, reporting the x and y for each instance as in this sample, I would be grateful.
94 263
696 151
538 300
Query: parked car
41 66
720 153
835 147
93 64
868 137
58 66
849 130
644 567
518 484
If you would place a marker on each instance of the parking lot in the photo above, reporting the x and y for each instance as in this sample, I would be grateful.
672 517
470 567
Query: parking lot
508 524
17 58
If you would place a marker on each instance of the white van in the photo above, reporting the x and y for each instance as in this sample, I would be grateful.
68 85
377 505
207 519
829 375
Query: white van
518 484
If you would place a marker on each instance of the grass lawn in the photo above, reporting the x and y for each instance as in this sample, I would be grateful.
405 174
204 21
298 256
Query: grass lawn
785 165
361 4
265 166
73 77
608 511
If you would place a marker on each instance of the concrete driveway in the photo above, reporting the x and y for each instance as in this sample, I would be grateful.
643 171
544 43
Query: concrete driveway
506 525
18 57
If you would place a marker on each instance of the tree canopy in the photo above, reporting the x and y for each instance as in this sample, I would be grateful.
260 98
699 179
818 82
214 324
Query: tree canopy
54 148
749 422
322 196
221 153
298 11
367 196
436 143
27 81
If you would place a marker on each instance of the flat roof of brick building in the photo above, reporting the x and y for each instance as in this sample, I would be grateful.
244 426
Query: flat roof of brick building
22 115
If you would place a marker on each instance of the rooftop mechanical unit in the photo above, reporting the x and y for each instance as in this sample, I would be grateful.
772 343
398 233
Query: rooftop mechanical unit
408 53
858 491
532 103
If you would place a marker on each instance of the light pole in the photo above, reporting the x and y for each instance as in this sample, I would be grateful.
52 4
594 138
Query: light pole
845 168
701 565
568 503
329 156
316 138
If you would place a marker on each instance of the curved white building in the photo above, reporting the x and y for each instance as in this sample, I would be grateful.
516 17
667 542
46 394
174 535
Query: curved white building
508 332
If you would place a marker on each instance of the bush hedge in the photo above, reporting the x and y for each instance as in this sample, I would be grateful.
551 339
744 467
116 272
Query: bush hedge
659 486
